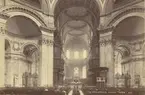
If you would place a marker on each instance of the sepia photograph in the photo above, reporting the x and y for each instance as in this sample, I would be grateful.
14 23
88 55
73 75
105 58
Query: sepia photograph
72 47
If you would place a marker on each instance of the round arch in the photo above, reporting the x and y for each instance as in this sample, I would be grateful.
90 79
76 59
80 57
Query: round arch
123 50
15 26
90 7
17 10
28 49
30 44
115 20
56 1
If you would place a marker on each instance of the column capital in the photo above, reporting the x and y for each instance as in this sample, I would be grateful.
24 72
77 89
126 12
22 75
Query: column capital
46 40
106 35
47 35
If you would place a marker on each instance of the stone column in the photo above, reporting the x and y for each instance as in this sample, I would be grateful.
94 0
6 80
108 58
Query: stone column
2 58
107 54
58 62
94 58
47 58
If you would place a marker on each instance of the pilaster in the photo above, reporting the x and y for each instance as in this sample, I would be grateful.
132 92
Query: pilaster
2 57
47 57
107 54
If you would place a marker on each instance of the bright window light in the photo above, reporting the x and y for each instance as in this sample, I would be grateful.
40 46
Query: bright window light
76 54
84 72
84 54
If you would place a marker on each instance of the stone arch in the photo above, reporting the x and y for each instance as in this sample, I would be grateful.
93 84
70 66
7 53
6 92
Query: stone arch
32 53
29 13
29 48
123 50
115 20
120 53
56 1
15 27
90 7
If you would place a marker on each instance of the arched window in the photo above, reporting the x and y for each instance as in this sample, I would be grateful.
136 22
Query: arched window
32 54
84 54
76 54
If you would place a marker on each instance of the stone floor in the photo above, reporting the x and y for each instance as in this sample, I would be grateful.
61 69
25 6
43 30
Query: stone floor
71 92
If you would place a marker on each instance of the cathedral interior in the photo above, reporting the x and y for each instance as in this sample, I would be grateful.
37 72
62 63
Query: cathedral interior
72 46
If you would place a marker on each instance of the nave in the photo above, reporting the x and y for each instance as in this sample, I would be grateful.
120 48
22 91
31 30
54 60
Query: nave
78 93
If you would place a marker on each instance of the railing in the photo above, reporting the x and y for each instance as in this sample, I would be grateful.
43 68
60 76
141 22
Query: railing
32 91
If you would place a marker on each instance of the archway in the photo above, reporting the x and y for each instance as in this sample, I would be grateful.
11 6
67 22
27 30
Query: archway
23 59
21 26
76 23
32 70
129 32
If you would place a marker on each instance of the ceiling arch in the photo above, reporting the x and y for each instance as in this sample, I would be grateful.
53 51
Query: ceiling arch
55 2
129 27
29 50
78 9
15 26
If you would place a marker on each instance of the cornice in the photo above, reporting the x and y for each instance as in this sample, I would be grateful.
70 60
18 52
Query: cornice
130 38
102 30
133 60
16 57
48 30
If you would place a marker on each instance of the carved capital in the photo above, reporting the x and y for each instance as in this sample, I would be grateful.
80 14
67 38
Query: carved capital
105 42
46 41
2 31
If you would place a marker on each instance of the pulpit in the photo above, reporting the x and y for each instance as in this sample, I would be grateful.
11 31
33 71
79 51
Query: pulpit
101 77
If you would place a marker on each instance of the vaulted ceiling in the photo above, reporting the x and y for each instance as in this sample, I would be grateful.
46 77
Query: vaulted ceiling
76 20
